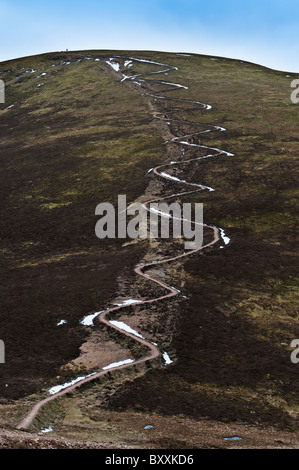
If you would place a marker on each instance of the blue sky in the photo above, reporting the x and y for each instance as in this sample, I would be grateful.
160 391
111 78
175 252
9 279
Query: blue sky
261 31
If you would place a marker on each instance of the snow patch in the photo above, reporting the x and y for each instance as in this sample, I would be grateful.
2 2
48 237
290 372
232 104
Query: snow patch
114 65
167 359
117 364
122 326
128 302
58 388
175 84
88 320
224 237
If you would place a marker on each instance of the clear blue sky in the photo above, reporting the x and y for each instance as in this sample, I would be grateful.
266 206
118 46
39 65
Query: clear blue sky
261 31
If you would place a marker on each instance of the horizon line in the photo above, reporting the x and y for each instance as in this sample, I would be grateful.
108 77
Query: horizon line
147 50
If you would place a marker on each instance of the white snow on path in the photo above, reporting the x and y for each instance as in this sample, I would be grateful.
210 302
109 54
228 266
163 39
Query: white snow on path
117 364
175 288
175 84
58 388
128 302
208 188
88 320
169 216
218 150
130 77
61 322
122 326
174 178
185 142
152 62
160 71
114 65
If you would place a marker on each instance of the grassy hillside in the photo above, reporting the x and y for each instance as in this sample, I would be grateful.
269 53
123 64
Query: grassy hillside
78 140
233 335
82 138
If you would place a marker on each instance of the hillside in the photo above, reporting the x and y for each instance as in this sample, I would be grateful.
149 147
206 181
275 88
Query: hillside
76 132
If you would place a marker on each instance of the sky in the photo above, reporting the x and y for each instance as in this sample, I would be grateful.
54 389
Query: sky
260 31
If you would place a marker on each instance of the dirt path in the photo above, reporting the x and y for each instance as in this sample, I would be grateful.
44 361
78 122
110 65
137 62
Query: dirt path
154 351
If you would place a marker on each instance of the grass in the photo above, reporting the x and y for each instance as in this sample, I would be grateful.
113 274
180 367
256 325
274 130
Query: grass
65 147
84 138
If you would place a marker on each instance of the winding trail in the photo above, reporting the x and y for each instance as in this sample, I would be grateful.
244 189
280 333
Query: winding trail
218 233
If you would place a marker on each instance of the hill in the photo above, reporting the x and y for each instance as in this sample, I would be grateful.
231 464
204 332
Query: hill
76 132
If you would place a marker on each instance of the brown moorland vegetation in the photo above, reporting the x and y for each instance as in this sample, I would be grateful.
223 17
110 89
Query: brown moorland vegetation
84 137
